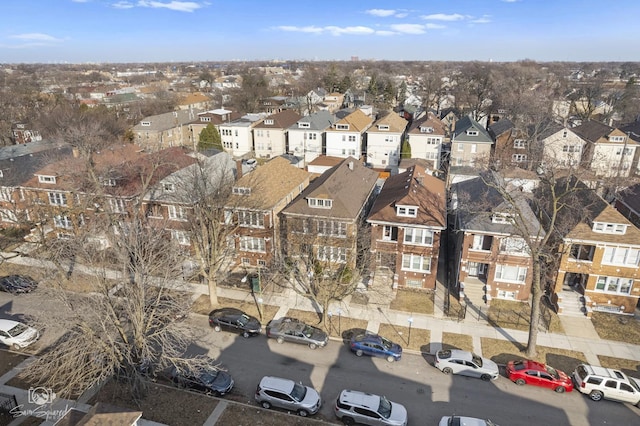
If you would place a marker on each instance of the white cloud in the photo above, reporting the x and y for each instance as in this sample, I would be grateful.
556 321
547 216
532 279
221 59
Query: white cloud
409 28
386 33
381 12
310 29
402 15
432 26
179 6
123 5
337 31
510 1
35 37
443 17
484 20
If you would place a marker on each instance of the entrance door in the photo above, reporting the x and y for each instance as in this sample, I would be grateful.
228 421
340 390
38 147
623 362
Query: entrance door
473 269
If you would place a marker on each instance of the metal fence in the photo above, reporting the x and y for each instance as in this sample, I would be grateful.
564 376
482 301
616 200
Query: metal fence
7 402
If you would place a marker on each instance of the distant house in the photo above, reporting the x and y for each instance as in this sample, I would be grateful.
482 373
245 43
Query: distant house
333 101
511 146
165 130
449 117
307 135
270 135
383 140
216 117
254 206
22 134
561 146
608 151
344 138
407 219
426 137
273 104
237 135
470 144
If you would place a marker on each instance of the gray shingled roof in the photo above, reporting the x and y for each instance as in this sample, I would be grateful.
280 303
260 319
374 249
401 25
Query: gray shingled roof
18 163
466 123
167 120
499 127
317 121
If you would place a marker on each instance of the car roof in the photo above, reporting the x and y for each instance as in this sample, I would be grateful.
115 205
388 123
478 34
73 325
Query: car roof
460 354
6 324
277 383
361 399
606 372
227 311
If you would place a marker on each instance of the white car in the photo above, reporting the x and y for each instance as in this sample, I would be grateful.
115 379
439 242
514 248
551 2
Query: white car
16 334
455 361
368 409
464 421
607 383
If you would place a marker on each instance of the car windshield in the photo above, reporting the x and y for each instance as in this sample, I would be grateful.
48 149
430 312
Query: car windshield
299 392
308 331
208 377
385 407
387 344
17 330
477 360
243 319
553 372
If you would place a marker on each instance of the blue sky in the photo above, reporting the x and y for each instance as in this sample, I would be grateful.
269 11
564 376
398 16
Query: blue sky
214 30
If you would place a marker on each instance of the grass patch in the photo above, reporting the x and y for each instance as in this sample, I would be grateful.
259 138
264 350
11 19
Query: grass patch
620 328
418 339
456 309
414 301
630 367
162 404
246 415
457 341
503 351
342 327
515 315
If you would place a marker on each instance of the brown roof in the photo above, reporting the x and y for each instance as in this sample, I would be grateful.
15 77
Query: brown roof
596 132
326 160
194 98
428 120
413 188
348 185
105 414
358 121
396 124
269 183
281 120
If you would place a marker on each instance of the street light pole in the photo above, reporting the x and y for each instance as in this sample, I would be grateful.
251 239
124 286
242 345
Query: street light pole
339 311
410 319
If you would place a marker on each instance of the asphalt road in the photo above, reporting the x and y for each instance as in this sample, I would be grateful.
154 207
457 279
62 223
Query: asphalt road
413 381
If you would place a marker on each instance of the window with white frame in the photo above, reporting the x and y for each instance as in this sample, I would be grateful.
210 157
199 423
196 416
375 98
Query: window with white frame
508 295
8 215
332 254
426 129
268 122
472 133
5 194
609 228
177 213
342 126
332 228
320 203
168 187
383 127
519 158
510 273
474 148
108 182
304 125
312 136
251 219
181 237
46 179
614 285
389 233
252 244
418 236
514 245
519 143
460 147
415 262
241 191
61 221
352 138
407 211
246 261
616 138
625 256
502 218
57 199
117 205
571 148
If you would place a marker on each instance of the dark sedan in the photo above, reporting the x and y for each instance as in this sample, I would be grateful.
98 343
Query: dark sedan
210 381
16 284
234 320
375 345
288 330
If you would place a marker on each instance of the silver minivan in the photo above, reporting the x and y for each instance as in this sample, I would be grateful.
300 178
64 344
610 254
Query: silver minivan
287 394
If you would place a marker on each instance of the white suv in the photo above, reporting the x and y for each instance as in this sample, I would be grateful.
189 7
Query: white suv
367 409
600 382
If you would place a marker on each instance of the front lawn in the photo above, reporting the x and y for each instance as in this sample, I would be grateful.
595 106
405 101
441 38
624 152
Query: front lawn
457 341
620 328
515 315
414 301
415 340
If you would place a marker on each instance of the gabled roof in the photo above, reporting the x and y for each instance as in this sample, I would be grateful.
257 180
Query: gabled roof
270 183
348 185
414 187
281 120
18 163
500 127
395 123
596 132
631 197
427 120
166 121
320 120
467 123
357 121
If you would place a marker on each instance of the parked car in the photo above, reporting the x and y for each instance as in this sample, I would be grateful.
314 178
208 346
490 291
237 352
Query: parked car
456 361
210 381
375 345
285 330
600 382
464 421
17 284
232 319
364 408
16 334
287 394
536 373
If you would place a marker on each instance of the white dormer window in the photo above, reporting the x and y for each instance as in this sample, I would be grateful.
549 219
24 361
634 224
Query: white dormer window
109 182
502 218
205 119
406 211
472 133
342 126
320 203
46 179
609 228
168 187
383 127
145 123
426 129
304 125
268 122
241 191
519 143
616 138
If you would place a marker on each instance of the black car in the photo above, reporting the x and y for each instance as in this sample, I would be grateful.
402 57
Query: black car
232 319
18 284
210 381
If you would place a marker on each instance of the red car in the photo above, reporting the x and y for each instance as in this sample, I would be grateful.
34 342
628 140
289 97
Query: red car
535 373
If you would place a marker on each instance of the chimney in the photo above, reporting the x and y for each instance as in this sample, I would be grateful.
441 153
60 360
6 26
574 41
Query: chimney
75 152
351 165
